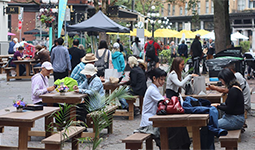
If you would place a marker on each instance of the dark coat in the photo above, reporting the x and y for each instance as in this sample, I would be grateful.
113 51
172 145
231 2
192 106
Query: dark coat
138 84
183 49
196 48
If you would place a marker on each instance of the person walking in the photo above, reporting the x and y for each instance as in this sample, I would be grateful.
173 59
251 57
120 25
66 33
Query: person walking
75 53
60 60
196 53
11 45
136 48
211 49
117 58
151 49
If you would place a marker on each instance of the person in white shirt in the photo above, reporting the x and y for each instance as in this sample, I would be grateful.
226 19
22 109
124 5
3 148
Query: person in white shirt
17 45
22 43
178 137
174 80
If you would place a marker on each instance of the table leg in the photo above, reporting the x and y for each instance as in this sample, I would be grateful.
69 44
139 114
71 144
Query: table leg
23 140
27 69
164 138
48 121
196 138
73 113
17 70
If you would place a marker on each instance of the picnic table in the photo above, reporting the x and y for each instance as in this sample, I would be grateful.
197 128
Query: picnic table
2 63
211 95
180 120
111 86
24 121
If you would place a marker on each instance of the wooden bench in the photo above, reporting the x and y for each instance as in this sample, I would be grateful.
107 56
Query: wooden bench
130 112
230 141
110 110
135 141
1 66
54 141
8 72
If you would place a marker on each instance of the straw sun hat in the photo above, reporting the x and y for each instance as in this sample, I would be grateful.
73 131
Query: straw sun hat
90 57
89 69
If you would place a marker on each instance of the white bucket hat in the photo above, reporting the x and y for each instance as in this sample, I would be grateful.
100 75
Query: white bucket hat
89 69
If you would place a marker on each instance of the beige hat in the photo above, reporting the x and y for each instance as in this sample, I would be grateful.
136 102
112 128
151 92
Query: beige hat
140 61
89 69
132 61
90 57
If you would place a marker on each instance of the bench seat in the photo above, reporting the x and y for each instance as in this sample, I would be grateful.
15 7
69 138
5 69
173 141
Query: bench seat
54 141
230 141
135 141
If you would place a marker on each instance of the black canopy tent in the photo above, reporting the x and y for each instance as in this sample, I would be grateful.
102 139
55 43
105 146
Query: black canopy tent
98 23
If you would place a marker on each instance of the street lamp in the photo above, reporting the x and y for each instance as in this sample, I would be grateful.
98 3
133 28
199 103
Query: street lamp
50 4
165 23
153 16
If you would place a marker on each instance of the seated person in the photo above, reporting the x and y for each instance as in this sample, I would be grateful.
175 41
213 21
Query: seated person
234 104
151 99
76 73
137 80
18 55
40 83
91 86
41 55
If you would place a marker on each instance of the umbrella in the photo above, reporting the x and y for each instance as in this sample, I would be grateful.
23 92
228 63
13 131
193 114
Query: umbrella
164 33
9 33
238 35
35 31
211 35
188 34
201 32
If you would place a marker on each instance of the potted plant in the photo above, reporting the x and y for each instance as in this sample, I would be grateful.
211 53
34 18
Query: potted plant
19 104
62 89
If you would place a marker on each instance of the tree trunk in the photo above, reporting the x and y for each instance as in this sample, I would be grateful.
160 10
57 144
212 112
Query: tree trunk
221 25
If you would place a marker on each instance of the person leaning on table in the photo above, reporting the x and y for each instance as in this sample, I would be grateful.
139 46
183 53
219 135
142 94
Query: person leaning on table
40 83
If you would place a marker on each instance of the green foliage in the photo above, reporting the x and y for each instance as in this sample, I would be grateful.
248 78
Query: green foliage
166 53
245 46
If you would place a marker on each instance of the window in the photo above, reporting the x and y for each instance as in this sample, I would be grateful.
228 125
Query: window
252 4
173 10
186 8
169 10
198 8
241 5
212 8
194 8
162 11
207 7
179 25
181 10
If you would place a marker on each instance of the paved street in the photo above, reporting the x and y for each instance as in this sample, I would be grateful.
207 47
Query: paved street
122 126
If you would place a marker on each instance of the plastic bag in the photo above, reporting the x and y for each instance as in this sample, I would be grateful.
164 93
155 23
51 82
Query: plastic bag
199 85
70 82
189 89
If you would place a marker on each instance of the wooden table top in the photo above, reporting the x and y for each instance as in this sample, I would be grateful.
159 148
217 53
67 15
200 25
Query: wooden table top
6 56
180 117
209 94
68 95
11 115
24 61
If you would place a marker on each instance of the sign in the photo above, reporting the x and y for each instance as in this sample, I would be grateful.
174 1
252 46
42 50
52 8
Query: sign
20 17
12 10
20 25
67 15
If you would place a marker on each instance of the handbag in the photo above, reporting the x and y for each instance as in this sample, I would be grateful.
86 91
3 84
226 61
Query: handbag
169 106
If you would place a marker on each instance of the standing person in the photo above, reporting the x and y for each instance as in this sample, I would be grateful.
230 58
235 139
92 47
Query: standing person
76 73
16 46
81 47
233 119
18 55
121 46
173 50
136 48
118 58
60 60
151 99
104 57
22 43
40 83
11 45
76 53
174 80
151 49
47 42
196 53
183 49
211 49
42 55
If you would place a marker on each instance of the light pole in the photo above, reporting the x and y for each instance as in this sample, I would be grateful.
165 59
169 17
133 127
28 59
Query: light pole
165 23
153 16
50 5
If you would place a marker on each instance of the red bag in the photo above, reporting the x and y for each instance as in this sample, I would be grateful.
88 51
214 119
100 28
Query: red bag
174 106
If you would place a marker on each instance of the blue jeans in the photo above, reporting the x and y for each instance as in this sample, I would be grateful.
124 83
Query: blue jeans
231 122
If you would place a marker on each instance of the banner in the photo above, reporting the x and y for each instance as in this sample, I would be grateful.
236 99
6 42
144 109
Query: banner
61 15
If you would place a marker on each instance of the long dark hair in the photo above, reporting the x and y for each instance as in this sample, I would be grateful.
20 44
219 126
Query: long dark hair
103 44
157 73
176 68
228 77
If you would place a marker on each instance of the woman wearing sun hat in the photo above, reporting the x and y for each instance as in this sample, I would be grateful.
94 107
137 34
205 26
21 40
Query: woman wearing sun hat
91 86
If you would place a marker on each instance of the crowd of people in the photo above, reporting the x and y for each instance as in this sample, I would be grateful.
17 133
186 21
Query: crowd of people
89 71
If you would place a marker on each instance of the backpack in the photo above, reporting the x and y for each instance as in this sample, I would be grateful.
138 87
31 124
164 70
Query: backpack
150 50
101 64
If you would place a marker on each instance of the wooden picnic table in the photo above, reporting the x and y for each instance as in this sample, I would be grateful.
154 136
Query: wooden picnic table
25 120
180 120
111 86
211 95
5 56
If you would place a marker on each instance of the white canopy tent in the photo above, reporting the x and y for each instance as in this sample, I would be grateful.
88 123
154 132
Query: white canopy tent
211 35
238 35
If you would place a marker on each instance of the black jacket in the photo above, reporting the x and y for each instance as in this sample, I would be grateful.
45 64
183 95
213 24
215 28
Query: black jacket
196 48
138 81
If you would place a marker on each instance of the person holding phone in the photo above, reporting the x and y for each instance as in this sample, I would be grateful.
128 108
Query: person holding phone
40 83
